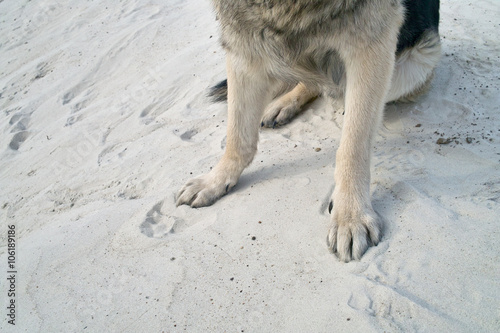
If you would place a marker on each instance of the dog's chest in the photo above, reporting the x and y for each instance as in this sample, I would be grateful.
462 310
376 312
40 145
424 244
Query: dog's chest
292 16
283 29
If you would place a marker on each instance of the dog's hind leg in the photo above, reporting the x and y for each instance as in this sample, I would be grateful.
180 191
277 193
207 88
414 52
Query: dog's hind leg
287 106
249 90
414 68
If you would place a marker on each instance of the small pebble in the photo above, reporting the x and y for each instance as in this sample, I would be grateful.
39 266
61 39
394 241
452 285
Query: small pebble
443 141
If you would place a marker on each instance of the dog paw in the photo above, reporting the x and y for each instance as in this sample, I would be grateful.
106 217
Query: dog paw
280 112
203 191
352 233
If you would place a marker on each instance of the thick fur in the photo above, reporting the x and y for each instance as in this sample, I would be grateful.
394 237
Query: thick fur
372 51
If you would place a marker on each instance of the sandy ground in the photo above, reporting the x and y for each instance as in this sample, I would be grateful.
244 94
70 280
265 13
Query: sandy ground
103 117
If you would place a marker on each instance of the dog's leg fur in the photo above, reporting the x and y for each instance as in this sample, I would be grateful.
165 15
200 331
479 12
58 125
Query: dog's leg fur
248 93
413 72
287 106
414 68
355 225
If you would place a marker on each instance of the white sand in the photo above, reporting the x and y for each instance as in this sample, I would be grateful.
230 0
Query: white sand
104 117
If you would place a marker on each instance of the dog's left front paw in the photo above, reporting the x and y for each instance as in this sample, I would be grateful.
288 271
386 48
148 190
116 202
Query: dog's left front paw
352 233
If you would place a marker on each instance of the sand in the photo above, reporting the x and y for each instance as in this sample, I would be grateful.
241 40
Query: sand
103 117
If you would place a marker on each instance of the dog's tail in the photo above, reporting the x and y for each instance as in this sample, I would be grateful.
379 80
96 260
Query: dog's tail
218 93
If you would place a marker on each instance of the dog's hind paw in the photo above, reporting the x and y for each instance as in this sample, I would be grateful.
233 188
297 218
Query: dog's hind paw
283 109
280 112
352 234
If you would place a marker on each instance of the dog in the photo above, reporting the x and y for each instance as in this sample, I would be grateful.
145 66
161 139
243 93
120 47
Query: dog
371 51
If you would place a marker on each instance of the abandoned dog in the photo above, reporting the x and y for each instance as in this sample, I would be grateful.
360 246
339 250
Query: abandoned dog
373 51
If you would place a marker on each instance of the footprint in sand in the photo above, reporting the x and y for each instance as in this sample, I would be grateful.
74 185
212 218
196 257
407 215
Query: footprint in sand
186 136
18 139
80 96
75 115
158 225
161 225
361 302
19 123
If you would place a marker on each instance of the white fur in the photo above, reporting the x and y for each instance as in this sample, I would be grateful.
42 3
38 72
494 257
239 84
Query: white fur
414 67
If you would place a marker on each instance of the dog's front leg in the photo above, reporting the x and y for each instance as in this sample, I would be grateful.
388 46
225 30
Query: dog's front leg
248 93
355 225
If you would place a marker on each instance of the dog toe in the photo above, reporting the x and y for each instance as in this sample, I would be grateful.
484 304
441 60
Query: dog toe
350 238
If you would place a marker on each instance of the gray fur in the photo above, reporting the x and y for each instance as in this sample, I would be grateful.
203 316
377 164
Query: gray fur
300 35
317 46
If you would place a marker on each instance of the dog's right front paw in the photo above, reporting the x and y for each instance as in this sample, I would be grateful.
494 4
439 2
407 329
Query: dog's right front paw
202 191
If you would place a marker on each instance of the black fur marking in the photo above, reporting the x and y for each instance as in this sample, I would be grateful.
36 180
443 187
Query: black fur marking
218 93
421 15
